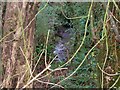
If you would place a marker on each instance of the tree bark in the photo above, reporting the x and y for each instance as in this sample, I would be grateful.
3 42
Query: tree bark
18 46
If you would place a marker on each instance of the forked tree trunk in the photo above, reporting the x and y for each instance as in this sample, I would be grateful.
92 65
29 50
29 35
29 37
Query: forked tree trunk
18 44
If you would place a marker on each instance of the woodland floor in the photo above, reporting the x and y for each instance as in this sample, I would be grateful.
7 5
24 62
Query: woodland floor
55 75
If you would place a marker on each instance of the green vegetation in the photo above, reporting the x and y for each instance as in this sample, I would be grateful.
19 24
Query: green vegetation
63 44
87 21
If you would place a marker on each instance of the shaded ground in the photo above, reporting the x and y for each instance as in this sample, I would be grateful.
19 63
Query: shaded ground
53 77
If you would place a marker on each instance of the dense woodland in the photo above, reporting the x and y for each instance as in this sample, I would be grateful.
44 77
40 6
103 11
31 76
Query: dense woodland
60 45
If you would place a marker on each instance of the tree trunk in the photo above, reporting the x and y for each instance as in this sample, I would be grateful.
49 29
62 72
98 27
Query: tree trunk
18 44
1 8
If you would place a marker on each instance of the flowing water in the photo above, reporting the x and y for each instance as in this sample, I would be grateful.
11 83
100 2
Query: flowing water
62 47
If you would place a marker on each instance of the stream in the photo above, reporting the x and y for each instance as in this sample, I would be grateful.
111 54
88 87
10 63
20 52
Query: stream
62 48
